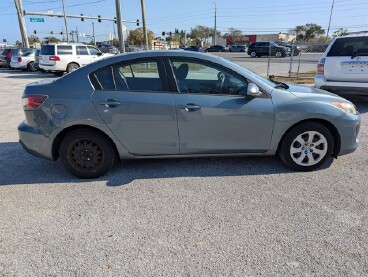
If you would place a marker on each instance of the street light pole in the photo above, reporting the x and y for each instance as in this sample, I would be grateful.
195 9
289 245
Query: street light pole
214 37
120 27
22 24
66 25
329 22
144 24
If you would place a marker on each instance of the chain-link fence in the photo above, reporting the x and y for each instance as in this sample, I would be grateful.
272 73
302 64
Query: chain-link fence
294 60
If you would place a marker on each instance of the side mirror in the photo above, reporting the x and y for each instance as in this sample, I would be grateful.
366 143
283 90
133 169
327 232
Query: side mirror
253 90
99 54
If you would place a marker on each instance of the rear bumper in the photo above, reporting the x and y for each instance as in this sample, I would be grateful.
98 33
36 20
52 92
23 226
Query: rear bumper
51 67
34 142
340 87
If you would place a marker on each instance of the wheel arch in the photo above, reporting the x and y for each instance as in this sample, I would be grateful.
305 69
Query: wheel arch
335 133
59 138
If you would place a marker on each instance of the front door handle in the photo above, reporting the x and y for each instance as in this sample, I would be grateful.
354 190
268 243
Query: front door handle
190 107
110 103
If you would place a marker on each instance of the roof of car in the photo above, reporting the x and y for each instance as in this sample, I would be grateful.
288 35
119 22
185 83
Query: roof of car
362 34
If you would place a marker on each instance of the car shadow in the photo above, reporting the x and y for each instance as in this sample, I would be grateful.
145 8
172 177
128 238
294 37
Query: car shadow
18 167
29 75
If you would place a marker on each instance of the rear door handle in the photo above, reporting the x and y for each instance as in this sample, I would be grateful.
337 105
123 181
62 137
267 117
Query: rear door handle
110 103
190 107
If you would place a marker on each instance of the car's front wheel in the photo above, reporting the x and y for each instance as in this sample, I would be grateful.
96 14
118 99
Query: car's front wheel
306 146
253 54
86 154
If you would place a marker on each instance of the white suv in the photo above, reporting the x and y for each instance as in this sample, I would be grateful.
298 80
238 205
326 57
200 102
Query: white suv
343 67
67 57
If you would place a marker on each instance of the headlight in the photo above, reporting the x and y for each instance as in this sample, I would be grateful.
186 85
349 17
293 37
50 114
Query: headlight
346 107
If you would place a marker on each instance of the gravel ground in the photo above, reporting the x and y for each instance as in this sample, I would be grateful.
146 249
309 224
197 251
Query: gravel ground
189 217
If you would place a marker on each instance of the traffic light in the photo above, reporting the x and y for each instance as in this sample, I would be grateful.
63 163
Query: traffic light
163 33
137 22
99 18
115 20
82 18
34 31
61 33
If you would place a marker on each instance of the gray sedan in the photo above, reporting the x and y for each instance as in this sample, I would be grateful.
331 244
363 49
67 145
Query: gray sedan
180 104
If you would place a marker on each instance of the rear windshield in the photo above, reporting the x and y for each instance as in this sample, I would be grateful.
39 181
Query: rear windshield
5 51
349 47
48 50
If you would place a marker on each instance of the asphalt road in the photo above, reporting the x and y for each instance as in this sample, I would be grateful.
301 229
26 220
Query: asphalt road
306 62
190 217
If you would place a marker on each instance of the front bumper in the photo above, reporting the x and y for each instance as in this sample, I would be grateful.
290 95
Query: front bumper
34 142
348 126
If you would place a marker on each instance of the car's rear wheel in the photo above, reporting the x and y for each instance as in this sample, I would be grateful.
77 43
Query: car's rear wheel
71 67
306 146
278 54
86 154
253 54
31 67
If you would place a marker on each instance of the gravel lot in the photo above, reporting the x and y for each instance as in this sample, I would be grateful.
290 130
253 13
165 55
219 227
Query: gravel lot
190 217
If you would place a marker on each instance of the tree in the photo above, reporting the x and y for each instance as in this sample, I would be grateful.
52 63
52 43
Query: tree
200 33
233 32
308 31
33 39
51 39
135 37
340 32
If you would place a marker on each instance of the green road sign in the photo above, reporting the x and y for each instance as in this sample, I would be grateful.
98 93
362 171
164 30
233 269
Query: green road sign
37 19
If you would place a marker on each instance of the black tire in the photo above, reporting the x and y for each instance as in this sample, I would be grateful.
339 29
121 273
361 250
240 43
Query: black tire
308 150
254 54
31 67
71 67
86 154
279 54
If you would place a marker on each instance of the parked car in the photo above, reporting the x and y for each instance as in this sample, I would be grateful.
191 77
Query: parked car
5 57
296 51
258 49
237 48
156 104
108 48
67 57
194 48
343 67
216 48
25 61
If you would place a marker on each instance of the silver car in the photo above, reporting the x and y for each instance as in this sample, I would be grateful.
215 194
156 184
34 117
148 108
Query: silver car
181 104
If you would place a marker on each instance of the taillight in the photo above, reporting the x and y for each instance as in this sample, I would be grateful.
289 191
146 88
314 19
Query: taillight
54 58
321 67
32 102
19 59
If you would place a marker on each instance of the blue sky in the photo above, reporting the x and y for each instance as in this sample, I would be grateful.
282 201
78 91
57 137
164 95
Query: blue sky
163 15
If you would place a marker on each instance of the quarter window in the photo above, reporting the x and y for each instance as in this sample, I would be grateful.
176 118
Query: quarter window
93 50
64 50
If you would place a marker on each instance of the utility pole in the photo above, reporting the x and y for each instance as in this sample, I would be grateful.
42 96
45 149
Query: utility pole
93 33
214 37
145 36
120 27
22 24
66 25
329 22
62 30
76 29
113 27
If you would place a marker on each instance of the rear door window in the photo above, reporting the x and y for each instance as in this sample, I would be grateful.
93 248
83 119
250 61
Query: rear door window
349 46
64 50
82 50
